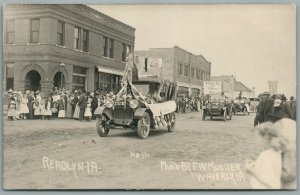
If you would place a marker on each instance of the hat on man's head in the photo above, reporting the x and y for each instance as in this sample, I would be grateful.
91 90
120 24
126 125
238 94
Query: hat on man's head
27 92
10 91
266 93
12 102
37 92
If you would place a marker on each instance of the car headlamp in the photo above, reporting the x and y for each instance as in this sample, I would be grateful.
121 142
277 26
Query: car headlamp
133 103
109 103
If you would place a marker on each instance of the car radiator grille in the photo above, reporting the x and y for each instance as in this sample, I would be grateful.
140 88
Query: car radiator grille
120 113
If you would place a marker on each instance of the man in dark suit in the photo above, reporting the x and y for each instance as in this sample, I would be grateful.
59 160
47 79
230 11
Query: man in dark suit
268 107
94 103
82 104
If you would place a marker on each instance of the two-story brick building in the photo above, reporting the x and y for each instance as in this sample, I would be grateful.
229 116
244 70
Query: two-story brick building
54 45
187 70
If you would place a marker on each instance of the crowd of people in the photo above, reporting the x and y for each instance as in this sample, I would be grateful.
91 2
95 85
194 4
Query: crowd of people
275 107
78 104
184 104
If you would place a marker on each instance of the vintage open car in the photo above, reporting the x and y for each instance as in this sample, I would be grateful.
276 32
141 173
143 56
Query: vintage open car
138 110
217 108
240 106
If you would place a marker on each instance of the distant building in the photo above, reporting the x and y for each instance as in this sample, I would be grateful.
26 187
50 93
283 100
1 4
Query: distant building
240 88
232 88
179 66
49 45
227 84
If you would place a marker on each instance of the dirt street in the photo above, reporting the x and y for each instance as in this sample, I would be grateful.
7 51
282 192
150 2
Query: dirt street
68 154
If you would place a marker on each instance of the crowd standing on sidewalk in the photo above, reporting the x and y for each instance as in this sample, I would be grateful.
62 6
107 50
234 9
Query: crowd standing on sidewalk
185 104
78 104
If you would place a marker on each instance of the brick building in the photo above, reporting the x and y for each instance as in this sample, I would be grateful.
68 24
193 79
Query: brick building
56 45
180 66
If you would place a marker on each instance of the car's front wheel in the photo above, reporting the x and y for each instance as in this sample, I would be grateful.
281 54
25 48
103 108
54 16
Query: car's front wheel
143 126
101 126
171 126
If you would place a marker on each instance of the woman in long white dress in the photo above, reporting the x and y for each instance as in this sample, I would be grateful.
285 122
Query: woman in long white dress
88 109
24 111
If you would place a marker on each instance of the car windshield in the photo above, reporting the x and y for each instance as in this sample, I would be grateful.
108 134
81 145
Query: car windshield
142 88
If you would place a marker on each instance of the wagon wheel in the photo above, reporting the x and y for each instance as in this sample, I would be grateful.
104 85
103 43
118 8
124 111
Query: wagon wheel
143 127
100 125
225 116
171 127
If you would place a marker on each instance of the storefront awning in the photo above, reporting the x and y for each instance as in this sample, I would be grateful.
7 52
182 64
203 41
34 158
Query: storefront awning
110 71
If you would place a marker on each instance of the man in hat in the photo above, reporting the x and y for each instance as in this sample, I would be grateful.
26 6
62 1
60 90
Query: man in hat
259 110
82 104
268 107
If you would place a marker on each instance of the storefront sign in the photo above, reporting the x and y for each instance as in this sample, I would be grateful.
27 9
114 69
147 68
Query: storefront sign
213 88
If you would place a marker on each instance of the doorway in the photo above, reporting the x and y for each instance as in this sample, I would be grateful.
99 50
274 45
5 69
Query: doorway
33 81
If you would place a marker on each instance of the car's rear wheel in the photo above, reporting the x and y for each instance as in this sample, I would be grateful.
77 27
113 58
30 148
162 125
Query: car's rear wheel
101 126
143 127
171 126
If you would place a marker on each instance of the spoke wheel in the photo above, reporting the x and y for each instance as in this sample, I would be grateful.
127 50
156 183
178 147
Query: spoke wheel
171 127
143 127
101 126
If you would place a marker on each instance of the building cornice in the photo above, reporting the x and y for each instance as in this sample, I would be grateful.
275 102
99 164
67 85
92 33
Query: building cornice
63 10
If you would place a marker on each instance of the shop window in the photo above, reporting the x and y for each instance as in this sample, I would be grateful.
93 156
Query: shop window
10 32
9 76
109 82
60 33
79 78
34 30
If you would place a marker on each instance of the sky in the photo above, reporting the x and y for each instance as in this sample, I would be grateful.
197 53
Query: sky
256 43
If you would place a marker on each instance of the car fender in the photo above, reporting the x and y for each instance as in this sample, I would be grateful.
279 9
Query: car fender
103 110
139 113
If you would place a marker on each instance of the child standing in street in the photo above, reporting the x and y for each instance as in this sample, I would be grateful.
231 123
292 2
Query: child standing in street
12 112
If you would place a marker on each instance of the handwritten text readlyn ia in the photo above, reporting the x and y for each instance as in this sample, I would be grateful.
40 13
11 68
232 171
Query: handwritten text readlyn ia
75 166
